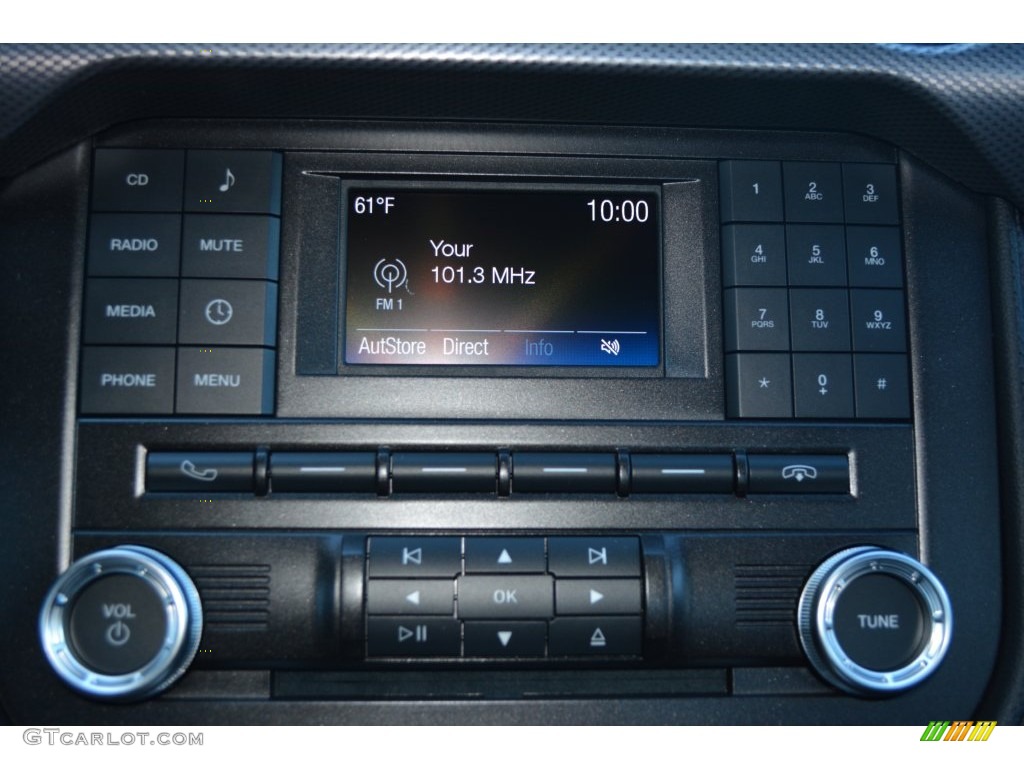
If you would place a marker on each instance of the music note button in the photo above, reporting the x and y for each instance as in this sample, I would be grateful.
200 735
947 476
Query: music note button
233 181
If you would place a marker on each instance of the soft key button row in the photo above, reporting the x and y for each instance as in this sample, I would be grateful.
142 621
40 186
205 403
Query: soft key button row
503 597
815 318
181 291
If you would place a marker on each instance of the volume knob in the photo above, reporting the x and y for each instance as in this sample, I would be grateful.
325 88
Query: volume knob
874 621
123 623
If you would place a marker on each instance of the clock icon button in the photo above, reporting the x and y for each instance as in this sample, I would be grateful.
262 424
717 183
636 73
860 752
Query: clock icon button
219 311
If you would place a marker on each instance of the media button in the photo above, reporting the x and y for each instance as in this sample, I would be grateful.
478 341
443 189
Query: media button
127 311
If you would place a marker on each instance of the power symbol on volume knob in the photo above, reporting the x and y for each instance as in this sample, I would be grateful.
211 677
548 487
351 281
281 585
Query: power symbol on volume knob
123 623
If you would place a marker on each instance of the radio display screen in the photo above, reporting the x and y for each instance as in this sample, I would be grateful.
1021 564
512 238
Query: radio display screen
443 276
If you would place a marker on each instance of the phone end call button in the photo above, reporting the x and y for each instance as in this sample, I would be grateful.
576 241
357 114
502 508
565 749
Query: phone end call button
200 472
791 473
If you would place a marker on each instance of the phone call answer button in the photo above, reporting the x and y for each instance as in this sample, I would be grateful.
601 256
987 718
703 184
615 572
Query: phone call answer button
200 472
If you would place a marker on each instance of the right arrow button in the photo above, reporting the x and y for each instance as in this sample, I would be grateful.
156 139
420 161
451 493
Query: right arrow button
598 597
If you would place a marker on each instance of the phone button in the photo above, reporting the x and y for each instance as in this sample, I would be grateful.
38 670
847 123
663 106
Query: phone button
791 473
199 472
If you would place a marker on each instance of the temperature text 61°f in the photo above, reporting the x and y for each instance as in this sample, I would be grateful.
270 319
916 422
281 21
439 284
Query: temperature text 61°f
370 204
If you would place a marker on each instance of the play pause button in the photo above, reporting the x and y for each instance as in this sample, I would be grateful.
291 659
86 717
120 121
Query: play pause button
514 639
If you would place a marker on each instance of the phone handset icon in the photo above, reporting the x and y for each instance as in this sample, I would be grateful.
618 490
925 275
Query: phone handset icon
188 469
799 472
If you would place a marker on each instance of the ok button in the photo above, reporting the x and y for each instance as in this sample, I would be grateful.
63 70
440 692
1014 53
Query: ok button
506 597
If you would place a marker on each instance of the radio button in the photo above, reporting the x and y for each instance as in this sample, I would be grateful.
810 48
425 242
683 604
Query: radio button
813 191
413 636
681 473
127 380
231 312
759 386
138 179
756 319
594 556
488 554
564 473
753 254
444 473
224 181
231 246
506 597
411 557
323 473
401 597
870 193
597 597
750 190
120 311
513 639
224 381
798 474
604 636
134 245
200 472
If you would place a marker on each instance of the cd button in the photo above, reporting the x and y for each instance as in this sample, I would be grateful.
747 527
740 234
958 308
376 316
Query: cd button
138 179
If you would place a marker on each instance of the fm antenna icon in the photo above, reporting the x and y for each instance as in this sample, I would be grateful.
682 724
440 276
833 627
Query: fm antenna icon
390 274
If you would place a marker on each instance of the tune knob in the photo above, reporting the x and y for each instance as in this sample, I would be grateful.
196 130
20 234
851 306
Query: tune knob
874 621
123 623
